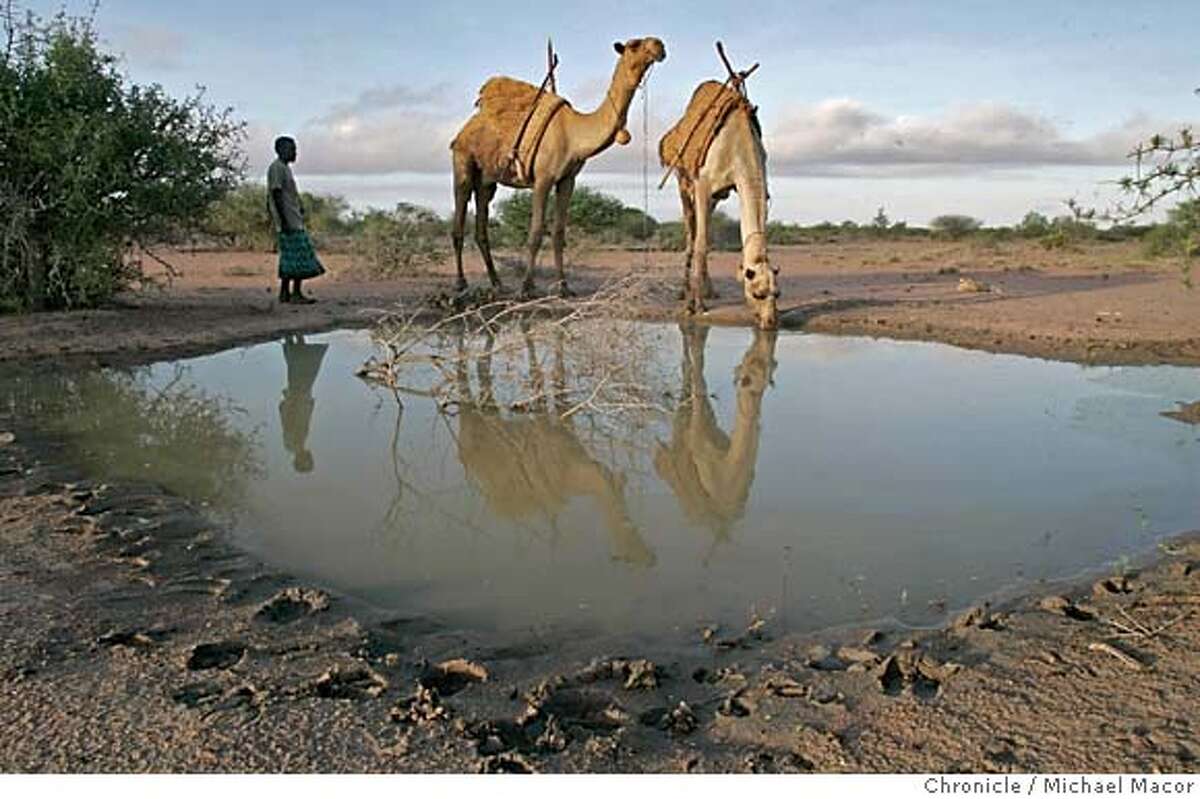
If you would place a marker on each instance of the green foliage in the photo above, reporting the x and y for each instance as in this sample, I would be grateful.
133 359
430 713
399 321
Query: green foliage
1068 232
126 424
241 220
389 243
880 224
592 214
1033 226
669 236
1179 236
91 165
954 226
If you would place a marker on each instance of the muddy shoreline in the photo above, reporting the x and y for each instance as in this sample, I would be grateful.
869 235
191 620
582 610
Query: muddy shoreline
1101 306
137 638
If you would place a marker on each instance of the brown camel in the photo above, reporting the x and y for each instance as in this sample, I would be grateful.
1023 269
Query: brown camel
570 139
534 464
735 161
710 472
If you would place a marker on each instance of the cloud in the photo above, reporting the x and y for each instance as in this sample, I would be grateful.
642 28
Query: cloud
403 128
383 130
388 98
152 46
842 136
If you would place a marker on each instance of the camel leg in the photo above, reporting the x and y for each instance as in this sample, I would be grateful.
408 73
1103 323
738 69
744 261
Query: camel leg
562 208
703 205
689 233
483 372
483 200
706 285
537 228
462 192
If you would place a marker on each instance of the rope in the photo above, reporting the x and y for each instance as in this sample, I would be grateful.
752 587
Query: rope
646 169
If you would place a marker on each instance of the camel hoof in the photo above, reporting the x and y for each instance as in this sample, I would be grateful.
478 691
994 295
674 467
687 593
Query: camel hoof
460 286
710 293
528 291
564 291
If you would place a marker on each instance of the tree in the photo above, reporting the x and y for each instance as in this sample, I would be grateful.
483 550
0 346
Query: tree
1033 226
880 224
1165 166
408 237
592 213
954 226
91 165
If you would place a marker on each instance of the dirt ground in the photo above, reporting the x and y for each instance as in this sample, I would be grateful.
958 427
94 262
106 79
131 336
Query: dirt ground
1104 304
135 638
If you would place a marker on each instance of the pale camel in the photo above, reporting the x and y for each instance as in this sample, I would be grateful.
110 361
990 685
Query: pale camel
534 464
709 471
736 161
570 140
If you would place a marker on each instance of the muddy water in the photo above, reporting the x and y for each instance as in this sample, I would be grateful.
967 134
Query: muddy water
814 480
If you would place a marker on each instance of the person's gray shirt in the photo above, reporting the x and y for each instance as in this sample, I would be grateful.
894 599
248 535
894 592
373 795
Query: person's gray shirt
279 176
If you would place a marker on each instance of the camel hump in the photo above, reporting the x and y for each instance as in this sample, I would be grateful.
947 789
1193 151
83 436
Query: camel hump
686 144
501 95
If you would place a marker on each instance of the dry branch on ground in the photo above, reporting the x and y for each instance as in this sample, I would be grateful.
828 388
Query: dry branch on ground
563 356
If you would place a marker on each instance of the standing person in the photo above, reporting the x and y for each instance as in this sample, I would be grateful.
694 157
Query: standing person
297 259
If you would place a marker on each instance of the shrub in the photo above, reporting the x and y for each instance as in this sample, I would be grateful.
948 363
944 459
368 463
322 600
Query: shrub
241 219
91 165
954 226
1179 236
593 214
386 243
1068 232
1033 226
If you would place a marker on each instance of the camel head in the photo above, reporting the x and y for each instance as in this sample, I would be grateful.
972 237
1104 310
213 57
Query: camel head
759 284
637 55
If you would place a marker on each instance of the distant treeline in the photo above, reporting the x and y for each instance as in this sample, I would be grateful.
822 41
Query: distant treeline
387 242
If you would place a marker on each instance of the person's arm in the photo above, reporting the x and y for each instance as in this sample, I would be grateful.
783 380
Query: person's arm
277 198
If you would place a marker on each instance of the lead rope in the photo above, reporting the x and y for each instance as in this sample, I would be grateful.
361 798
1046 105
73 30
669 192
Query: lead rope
646 169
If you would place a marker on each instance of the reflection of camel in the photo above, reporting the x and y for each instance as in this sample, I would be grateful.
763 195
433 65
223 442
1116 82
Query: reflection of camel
709 471
535 464
295 410
570 139
735 161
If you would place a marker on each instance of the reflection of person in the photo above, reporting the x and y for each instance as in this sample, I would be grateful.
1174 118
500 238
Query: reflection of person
297 259
295 410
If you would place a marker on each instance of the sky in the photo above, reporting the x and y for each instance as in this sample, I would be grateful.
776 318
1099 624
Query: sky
990 109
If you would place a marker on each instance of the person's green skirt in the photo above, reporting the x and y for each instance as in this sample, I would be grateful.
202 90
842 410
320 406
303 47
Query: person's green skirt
297 258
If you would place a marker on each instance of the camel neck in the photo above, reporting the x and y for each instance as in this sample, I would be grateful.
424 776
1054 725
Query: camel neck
599 128
750 181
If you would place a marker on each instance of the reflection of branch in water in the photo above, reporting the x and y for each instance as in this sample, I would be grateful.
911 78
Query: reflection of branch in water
709 471
612 368
533 463
409 499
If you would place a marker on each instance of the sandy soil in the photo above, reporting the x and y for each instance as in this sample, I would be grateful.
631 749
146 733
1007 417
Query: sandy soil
136 638
1101 305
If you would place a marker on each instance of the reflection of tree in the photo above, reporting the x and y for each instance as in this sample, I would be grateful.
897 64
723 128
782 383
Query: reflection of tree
119 425
296 408
711 472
